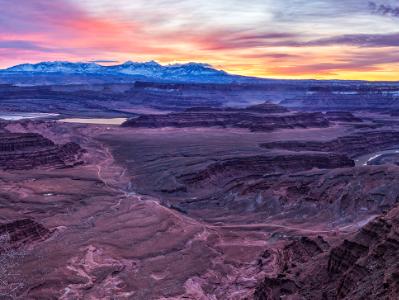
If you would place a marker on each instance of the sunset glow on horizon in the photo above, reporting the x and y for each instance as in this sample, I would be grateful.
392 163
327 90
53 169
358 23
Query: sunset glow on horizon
321 39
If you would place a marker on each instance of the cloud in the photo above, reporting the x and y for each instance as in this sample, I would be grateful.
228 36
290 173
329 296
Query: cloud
24 45
360 40
226 41
359 62
103 61
384 9
271 55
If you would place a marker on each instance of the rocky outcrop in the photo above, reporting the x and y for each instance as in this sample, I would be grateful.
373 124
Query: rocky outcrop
363 266
267 164
367 265
21 141
300 251
273 288
23 232
235 119
19 151
263 117
337 197
268 108
263 108
303 250
352 145
342 116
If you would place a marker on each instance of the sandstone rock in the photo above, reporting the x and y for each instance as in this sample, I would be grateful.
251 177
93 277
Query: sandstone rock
364 266
19 151
263 117
342 116
264 108
23 232
267 164
352 145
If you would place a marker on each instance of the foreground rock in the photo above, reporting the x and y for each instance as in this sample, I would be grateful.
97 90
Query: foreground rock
21 151
363 266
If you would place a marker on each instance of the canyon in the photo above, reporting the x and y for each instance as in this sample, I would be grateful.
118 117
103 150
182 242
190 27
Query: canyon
195 198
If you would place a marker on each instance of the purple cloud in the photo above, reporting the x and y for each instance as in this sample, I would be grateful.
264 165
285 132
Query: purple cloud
23 45
31 16
384 9
361 40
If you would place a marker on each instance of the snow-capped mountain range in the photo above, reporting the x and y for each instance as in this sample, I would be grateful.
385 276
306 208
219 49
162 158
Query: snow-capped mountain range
189 72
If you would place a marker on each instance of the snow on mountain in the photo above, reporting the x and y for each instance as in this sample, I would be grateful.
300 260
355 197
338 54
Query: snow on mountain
151 70
57 66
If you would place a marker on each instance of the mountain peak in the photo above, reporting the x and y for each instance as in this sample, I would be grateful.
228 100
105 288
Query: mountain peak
151 70
57 67
133 63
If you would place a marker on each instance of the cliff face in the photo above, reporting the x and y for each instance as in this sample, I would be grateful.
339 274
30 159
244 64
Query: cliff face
263 117
260 165
363 266
352 145
235 119
366 265
264 108
19 151
23 232
20 141
342 116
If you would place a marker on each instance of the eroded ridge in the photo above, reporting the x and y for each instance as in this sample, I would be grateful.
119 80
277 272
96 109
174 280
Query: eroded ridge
21 151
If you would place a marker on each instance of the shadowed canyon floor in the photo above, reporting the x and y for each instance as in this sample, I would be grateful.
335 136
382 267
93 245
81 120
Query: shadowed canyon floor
202 213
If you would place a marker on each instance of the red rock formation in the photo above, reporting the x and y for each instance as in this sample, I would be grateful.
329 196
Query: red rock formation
10 142
19 151
342 116
267 107
268 164
22 232
352 145
364 266
256 118
263 108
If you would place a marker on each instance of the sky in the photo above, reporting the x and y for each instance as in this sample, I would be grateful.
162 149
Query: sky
323 39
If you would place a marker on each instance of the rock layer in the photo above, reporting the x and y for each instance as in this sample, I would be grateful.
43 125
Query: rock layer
363 266
19 151
261 117
23 232
265 108
352 145
342 116
267 164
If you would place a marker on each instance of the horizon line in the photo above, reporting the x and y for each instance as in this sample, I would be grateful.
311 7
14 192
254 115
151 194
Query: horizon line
101 62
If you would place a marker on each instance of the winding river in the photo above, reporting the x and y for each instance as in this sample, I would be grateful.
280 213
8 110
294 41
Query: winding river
369 158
